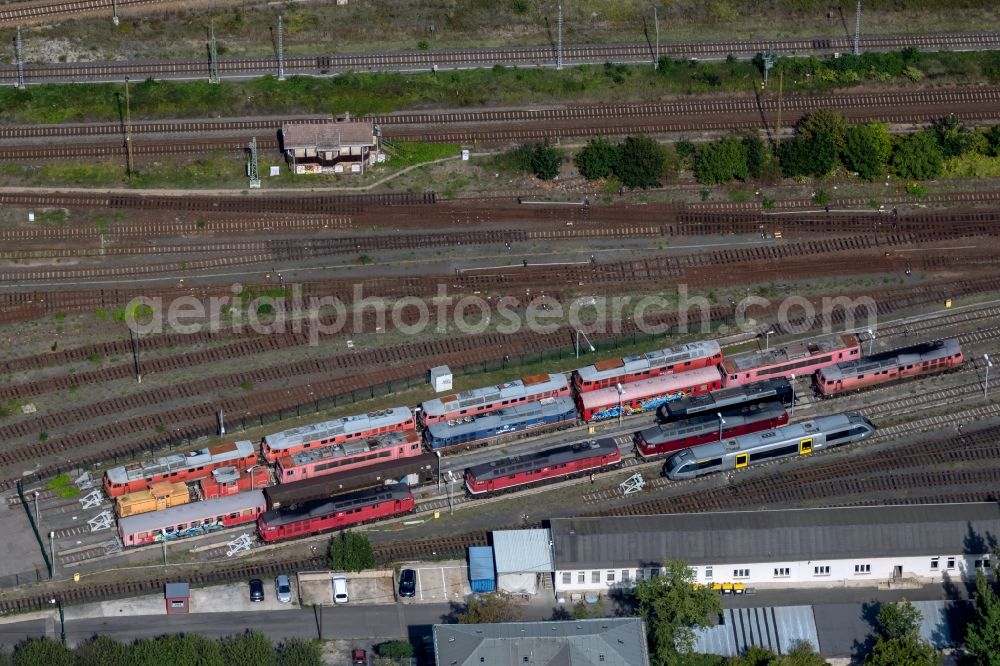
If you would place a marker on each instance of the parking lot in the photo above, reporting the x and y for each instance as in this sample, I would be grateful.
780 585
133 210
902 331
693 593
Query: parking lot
367 587
447 581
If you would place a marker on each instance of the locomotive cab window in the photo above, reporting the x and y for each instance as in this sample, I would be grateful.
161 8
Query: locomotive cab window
805 446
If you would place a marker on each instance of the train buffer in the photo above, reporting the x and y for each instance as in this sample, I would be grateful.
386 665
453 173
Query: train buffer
91 500
632 484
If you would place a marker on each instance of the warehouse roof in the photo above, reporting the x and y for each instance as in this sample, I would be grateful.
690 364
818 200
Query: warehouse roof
327 135
523 551
601 642
782 535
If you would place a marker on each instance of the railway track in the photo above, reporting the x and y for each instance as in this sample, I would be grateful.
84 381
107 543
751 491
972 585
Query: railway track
461 124
523 56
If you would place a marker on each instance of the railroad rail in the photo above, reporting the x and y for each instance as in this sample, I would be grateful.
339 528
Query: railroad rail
466 126
518 56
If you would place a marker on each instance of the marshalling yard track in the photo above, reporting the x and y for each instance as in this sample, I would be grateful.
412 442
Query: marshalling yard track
489 126
524 56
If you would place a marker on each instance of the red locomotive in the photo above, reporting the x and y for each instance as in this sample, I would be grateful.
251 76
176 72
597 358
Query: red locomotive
613 371
909 362
317 516
799 359
705 428
563 461
187 467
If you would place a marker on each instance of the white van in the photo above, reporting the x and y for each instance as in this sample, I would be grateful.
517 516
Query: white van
340 589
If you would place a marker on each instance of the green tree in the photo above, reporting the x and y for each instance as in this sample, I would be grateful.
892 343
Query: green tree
867 149
299 652
671 164
640 162
802 653
351 551
597 159
756 656
671 606
953 137
684 148
757 154
991 138
545 161
102 651
490 608
824 121
898 640
917 156
982 638
721 161
395 649
43 652
814 156
251 647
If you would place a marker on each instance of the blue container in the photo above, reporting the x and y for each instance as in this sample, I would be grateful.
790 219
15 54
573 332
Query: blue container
482 575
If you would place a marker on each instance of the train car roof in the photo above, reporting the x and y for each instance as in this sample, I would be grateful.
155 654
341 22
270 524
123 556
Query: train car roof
651 386
322 507
708 422
507 416
346 425
329 485
616 367
780 434
788 353
185 513
345 449
754 391
213 454
879 362
493 394
554 456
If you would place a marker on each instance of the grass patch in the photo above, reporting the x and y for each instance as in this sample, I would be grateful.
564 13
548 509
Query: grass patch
410 153
60 481
389 91
57 217
68 492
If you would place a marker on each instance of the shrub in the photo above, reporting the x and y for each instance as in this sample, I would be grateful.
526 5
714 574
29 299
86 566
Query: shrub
641 162
917 156
395 649
597 159
867 149
721 161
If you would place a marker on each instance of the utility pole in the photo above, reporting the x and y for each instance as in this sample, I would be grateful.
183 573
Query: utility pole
252 165
213 57
114 11
559 23
20 60
768 63
129 160
281 50
857 29
135 354
656 27
777 130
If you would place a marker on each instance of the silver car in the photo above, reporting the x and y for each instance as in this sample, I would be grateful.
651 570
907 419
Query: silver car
283 589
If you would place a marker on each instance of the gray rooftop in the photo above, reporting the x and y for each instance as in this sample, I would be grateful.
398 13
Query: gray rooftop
776 628
601 642
185 513
781 535
795 351
523 551
656 359
650 387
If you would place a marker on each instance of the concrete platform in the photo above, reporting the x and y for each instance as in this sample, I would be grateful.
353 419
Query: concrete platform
366 587
437 583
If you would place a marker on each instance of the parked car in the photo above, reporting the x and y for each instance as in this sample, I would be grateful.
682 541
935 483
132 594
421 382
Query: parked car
359 657
256 590
407 583
340 590
283 589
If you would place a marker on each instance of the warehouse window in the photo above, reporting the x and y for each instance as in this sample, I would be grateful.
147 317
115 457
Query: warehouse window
625 575
595 576
611 577
741 573
935 563
823 570
581 578
951 562
782 572
862 569
567 578
983 563
639 574
708 573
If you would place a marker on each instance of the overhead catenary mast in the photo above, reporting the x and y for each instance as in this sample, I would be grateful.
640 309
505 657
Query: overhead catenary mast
857 29
281 50
559 23
213 56
20 60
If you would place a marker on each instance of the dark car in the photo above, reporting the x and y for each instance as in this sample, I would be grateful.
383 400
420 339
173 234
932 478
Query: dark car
256 590
407 583
359 657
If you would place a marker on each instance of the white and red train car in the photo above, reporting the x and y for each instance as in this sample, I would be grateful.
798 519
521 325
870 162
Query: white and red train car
908 362
704 428
646 395
799 359
337 431
314 516
493 398
349 455
561 461
178 468
191 519
682 358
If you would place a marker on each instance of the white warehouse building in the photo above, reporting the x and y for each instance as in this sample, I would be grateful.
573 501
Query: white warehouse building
894 546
